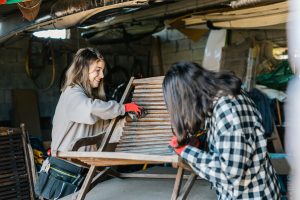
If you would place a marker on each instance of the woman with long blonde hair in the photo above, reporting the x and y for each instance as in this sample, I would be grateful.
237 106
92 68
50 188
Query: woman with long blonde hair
81 111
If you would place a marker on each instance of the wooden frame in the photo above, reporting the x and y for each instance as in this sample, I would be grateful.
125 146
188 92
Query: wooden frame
102 158
16 164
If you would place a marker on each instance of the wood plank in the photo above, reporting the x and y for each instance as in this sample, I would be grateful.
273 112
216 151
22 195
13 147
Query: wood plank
147 123
137 91
187 187
152 103
157 112
117 156
154 107
137 128
12 161
153 148
103 163
148 135
134 138
145 136
148 99
128 120
177 184
148 81
10 135
140 132
10 153
158 115
14 193
158 86
161 153
159 150
15 158
153 176
201 19
12 172
143 144
143 95
14 141
258 9
253 22
13 182
238 13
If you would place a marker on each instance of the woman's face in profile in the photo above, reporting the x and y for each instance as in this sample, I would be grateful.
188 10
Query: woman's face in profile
96 73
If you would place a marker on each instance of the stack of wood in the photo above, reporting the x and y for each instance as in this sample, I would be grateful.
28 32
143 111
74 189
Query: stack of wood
15 174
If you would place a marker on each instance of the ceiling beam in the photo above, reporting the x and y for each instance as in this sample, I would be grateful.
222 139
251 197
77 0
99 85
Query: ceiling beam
258 16
182 6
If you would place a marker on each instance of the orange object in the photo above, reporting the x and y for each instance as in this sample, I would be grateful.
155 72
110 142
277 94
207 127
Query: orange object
132 107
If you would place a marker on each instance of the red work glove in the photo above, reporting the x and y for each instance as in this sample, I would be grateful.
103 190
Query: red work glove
132 107
174 144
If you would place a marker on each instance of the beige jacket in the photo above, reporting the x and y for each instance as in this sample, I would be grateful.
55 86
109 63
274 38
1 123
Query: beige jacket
82 115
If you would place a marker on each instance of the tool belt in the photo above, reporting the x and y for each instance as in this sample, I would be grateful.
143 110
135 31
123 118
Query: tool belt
58 178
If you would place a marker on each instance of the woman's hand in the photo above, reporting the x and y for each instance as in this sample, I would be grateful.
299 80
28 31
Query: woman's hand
132 107
174 144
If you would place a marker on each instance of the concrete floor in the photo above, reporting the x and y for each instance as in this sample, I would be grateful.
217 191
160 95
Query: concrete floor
146 189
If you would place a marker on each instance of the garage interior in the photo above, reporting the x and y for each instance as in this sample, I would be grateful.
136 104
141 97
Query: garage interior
140 39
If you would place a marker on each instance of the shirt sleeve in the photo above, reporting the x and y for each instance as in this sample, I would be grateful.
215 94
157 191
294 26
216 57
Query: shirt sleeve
229 155
82 109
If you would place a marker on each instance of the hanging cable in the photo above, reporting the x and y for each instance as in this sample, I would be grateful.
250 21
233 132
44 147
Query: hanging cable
29 68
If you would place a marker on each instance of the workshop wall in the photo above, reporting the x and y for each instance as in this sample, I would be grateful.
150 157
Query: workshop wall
13 76
137 58
175 46
133 57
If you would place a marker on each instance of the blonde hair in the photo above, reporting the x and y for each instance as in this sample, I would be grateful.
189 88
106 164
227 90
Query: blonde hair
78 72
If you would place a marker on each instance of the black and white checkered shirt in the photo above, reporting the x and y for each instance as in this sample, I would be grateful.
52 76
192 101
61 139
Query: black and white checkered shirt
237 163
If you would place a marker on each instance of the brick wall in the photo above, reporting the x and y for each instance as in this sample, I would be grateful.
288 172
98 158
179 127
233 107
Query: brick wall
175 46
135 57
13 74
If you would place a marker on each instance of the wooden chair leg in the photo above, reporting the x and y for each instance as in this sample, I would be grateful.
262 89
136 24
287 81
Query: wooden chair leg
99 177
86 183
177 184
187 187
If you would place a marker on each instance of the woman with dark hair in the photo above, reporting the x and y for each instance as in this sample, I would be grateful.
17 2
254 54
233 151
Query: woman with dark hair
236 161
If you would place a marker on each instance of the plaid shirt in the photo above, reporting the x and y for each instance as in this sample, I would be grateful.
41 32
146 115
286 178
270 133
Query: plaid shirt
237 163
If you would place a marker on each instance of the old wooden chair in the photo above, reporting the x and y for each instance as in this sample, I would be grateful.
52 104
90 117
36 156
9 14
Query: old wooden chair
142 142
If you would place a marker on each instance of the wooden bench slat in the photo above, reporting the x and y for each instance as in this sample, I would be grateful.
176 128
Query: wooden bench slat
147 132
143 95
150 90
147 123
147 81
157 86
148 99
136 128
128 120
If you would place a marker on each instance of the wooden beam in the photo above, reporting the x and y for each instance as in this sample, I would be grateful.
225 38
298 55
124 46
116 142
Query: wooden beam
159 11
238 14
118 156
253 22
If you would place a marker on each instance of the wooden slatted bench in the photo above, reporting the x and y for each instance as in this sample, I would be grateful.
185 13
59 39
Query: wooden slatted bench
144 141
